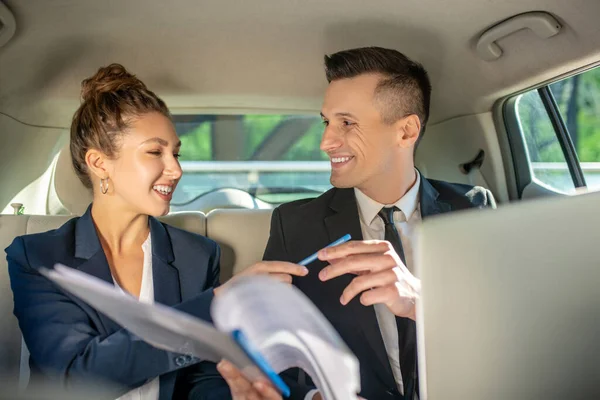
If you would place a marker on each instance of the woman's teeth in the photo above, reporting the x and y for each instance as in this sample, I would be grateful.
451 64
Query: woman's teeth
163 189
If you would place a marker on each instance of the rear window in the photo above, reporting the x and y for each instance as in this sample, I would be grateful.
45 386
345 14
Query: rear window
275 158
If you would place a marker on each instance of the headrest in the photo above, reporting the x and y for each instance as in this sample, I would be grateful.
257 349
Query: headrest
68 190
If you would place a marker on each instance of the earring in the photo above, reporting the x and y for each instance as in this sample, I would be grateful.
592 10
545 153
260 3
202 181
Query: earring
104 189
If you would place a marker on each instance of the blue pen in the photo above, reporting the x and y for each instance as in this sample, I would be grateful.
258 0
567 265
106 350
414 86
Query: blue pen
260 362
313 257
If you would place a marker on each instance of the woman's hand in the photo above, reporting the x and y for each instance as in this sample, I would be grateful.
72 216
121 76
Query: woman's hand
279 270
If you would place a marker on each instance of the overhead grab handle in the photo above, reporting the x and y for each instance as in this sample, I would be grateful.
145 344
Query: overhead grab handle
542 24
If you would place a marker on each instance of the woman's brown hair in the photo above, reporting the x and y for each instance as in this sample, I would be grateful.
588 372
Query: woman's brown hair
110 100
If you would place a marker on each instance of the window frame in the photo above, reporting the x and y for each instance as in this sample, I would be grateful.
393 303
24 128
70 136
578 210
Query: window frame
563 136
516 140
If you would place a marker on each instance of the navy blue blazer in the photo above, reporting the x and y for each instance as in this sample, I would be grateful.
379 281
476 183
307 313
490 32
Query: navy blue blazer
73 344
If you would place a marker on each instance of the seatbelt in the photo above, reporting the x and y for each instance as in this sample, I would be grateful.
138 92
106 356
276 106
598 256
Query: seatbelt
473 170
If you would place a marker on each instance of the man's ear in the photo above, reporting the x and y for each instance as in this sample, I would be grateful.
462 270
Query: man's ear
97 164
408 129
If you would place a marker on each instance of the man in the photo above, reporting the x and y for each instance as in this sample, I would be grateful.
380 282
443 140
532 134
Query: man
375 111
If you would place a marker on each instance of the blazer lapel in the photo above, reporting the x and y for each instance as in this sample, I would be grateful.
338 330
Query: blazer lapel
165 276
167 288
430 204
345 219
93 260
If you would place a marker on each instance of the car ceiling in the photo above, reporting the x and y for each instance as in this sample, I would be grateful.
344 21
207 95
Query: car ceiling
267 55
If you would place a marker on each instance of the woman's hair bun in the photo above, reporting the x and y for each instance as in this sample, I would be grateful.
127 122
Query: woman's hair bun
109 79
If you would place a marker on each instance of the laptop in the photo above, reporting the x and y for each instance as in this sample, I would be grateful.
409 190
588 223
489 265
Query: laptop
510 307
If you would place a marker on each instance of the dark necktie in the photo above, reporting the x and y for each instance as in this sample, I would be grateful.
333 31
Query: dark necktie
391 233
407 332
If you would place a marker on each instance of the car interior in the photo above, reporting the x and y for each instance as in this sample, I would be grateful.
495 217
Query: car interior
515 105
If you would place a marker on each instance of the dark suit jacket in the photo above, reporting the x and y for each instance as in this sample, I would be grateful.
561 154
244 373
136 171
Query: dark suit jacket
73 344
300 228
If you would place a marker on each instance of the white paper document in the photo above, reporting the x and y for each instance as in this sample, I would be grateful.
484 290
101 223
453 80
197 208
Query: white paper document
277 320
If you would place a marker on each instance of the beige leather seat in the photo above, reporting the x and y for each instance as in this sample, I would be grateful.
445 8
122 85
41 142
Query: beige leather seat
241 234
10 336
67 195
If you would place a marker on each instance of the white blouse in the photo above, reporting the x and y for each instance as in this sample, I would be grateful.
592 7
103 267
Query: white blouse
150 390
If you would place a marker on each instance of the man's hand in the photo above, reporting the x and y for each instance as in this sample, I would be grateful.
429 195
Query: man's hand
279 270
382 277
242 388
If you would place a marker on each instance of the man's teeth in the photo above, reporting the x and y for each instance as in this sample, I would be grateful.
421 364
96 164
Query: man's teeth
340 159
163 189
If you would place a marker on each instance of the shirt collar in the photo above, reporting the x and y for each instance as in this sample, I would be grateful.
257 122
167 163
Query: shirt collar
147 250
147 245
369 208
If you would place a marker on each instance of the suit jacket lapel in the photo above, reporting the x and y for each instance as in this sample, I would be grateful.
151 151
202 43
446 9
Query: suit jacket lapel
93 260
167 288
166 284
165 275
429 200
345 219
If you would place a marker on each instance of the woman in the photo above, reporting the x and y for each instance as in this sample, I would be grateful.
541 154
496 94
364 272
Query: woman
125 148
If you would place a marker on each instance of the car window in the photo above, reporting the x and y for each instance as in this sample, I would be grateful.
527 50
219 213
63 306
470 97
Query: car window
273 157
559 125
578 99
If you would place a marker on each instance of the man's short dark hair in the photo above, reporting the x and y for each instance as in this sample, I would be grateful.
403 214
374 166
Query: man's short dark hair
405 88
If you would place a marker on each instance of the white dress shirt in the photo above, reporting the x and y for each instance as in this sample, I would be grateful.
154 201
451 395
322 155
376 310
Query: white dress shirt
150 390
373 228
